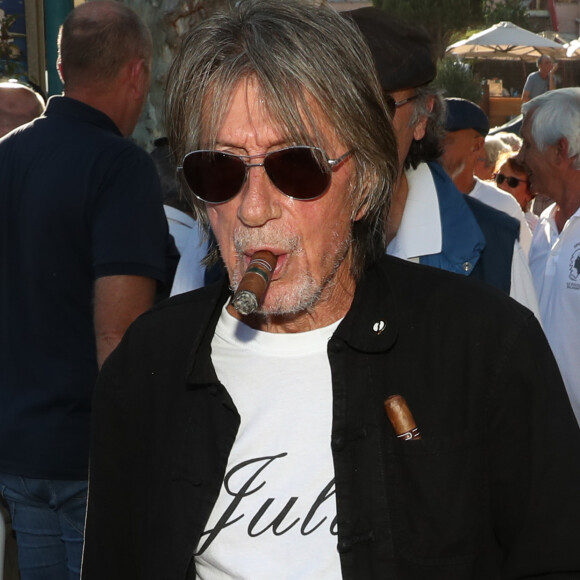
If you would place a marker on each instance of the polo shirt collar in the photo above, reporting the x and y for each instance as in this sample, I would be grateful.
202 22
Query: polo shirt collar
65 106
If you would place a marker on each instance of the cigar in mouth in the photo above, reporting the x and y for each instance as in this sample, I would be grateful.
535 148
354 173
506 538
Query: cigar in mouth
253 286
401 418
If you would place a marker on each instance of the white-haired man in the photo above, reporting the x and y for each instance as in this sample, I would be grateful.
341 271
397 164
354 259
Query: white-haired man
551 133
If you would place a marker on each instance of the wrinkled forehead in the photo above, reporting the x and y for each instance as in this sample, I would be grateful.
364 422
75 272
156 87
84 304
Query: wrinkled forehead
295 117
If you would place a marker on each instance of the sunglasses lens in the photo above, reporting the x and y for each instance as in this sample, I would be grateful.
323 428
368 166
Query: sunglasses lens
499 178
297 172
513 181
214 177
391 105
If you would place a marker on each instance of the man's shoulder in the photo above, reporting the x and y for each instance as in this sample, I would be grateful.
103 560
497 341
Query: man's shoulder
411 279
531 78
486 214
490 194
436 294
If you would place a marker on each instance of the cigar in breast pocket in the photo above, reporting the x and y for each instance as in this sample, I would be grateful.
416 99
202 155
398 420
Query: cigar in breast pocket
401 418
252 288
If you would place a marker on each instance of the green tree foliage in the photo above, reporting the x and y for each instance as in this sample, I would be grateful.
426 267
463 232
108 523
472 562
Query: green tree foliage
440 17
457 80
507 11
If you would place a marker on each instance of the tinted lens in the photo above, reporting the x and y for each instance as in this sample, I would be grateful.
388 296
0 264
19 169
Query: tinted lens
297 172
511 181
214 177
391 105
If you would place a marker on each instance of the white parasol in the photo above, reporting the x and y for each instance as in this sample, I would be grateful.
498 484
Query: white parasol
506 41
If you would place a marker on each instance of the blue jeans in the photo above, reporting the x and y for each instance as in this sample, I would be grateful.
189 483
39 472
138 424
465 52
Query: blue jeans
48 517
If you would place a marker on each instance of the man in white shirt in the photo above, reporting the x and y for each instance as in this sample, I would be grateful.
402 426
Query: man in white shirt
551 132
467 125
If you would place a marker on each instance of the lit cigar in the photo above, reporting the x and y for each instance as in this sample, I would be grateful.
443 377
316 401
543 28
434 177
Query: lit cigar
401 418
253 286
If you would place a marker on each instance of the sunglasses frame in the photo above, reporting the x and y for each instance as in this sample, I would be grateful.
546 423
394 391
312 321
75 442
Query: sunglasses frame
393 105
500 178
331 165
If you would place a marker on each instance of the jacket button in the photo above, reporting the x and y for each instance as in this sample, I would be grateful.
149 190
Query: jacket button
467 266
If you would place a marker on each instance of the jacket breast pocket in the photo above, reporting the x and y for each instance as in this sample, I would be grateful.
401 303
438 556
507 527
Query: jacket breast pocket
438 500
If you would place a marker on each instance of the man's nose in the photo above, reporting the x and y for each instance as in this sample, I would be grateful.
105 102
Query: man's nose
260 200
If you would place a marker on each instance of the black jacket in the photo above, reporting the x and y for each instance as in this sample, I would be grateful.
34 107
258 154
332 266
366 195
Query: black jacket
490 491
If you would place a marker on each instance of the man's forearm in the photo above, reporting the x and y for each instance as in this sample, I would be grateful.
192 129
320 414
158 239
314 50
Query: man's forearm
119 300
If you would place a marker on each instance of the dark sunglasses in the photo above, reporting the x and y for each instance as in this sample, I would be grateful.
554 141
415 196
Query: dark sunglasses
299 172
393 105
511 181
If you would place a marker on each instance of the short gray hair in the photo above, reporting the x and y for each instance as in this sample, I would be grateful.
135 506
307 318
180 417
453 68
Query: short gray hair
555 115
98 38
297 54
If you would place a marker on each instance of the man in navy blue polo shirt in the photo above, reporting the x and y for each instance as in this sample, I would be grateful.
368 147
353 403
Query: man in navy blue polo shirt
83 247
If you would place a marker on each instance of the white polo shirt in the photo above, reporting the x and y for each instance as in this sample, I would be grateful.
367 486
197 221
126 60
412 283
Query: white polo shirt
555 265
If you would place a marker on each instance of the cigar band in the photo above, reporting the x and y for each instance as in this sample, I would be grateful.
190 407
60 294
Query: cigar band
256 270
412 434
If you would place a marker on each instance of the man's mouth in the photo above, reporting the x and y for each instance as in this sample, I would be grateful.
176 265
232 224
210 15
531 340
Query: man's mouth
282 256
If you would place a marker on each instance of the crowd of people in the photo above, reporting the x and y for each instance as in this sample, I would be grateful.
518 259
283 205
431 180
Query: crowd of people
410 261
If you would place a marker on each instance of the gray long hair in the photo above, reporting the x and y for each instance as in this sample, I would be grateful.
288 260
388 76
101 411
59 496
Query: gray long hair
297 54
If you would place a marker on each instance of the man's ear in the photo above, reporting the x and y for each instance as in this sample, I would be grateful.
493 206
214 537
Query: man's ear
59 69
478 144
420 129
138 76
562 147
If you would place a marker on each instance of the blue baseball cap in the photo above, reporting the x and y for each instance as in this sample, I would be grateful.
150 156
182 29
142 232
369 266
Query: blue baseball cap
463 114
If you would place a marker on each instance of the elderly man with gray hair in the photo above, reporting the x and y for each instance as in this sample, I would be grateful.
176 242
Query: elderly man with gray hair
264 444
551 155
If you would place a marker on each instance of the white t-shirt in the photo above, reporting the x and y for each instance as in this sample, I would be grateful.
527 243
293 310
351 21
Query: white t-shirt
276 513
502 200
555 265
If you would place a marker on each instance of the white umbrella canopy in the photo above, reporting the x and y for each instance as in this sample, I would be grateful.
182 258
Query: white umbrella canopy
573 49
506 41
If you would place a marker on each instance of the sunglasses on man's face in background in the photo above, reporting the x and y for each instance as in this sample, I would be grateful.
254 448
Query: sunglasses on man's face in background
513 182
299 172
393 105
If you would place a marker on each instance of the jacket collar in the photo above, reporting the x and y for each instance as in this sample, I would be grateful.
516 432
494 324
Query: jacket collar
200 371
369 326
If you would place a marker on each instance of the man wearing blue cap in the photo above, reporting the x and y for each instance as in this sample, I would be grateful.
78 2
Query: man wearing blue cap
467 126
